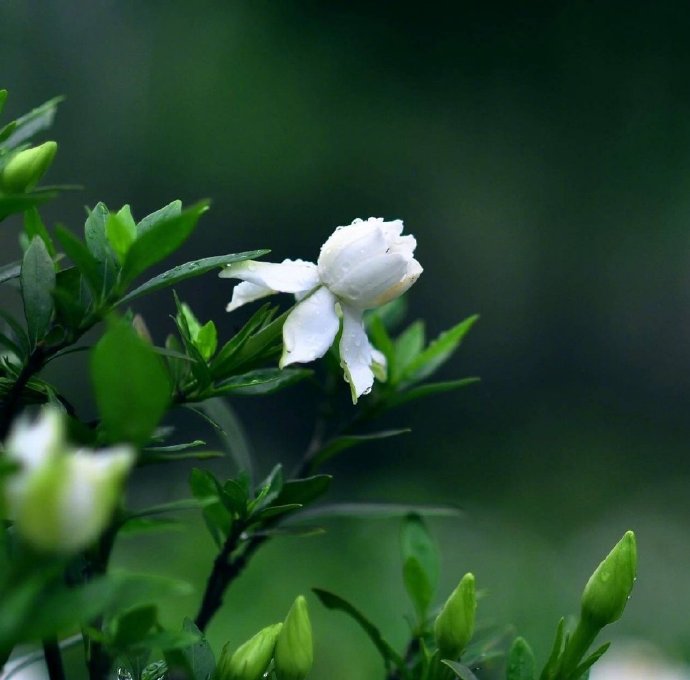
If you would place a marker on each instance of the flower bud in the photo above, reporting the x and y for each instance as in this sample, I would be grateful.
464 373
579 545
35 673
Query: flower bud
454 626
294 652
250 660
23 171
60 499
608 589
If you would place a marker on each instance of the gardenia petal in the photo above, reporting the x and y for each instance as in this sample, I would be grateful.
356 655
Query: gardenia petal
247 292
289 276
310 328
356 353
32 444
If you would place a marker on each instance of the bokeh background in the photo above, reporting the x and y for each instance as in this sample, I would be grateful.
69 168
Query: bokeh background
540 153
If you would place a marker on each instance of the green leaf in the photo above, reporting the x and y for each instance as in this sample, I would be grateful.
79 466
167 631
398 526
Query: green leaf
167 212
269 489
549 672
582 670
20 335
521 664
207 340
133 625
195 662
339 444
420 563
223 419
38 281
31 123
276 511
303 491
261 381
234 497
82 258
438 352
147 525
188 271
33 226
460 670
203 484
428 390
407 347
71 303
95 233
121 232
11 204
376 511
390 656
162 239
131 384
3 99
10 271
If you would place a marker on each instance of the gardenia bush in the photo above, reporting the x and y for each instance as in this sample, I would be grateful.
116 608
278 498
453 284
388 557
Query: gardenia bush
63 478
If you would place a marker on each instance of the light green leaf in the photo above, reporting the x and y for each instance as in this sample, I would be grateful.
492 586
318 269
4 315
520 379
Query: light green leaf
188 271
438 352
131 384
121 232
162 239
407 346
37 281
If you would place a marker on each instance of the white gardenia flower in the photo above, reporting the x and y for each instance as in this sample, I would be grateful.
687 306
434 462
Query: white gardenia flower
361 266
637 663
61 498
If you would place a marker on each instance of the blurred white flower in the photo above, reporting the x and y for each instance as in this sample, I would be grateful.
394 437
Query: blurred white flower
637 663
361 266
60 499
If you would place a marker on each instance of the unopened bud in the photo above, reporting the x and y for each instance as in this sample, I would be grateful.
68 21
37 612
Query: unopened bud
250 660
609 587
23 171
454 626
294 652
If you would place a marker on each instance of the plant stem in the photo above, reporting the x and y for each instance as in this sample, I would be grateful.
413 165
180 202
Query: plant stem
578 644
51 653
226 569
12 401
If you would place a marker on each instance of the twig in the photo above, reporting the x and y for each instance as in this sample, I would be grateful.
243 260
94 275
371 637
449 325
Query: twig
51 652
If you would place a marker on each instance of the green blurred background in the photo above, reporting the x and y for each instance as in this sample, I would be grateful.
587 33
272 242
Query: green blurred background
540 153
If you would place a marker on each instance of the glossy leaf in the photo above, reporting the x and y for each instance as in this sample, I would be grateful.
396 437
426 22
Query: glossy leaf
38 281
188 271
132 395
121 232
262 381
438 352
167 212
162 239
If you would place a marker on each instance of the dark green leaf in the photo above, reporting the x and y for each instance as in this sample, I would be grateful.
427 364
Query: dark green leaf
390 656
427 390
261 381
165 213
277 510
160 240
376 511
20 334
31 123
11 204
147 525
438 352
38 281
335 446
195 662
10 271
203 484
82 259
303 491
131 384
133 625
521 665
172 506
33 226
228 426
420 563
188 271
234 497
461 671
71 300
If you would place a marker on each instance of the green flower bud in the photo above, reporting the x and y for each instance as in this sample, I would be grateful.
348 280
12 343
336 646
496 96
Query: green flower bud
454 626
609 587
23 171
250 660
294 653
